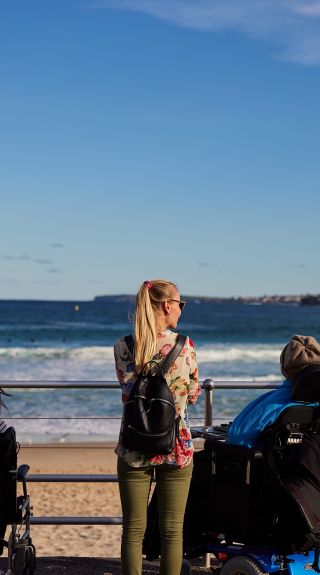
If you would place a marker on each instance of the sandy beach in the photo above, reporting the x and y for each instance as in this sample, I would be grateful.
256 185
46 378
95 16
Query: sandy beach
96 499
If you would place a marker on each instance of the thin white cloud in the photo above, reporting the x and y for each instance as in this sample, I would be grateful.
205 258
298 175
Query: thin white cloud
47 283
291 26
309 9
10 257
11 281
43 261
54 271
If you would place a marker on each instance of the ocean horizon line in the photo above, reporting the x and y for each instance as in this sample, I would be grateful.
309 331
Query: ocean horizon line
305 299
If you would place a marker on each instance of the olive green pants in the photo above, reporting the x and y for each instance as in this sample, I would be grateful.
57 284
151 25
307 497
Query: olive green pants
172 487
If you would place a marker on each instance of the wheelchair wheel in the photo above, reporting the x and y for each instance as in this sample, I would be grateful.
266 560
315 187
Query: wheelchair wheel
23 561
18 561
30 565
241 565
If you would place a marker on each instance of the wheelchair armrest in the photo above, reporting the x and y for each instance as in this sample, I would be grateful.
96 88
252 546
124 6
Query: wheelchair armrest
214 432
22 471
257 454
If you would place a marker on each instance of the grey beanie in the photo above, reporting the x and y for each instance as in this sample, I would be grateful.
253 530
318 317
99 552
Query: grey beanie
302 350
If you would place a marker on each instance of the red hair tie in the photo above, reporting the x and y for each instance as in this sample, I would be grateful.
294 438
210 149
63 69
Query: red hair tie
148 284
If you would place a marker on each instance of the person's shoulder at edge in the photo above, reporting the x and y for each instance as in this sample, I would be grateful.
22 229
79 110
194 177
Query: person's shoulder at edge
124 366
121 349
120 342
194 385
190 344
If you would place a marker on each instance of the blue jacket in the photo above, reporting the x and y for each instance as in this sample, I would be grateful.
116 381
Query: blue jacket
247 426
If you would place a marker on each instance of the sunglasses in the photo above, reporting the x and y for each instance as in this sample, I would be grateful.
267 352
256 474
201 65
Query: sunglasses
180 302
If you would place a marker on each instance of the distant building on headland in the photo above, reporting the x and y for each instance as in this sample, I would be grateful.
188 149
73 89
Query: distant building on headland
251 300
310 300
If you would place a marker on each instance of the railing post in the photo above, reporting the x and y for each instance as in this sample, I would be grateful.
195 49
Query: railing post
208 386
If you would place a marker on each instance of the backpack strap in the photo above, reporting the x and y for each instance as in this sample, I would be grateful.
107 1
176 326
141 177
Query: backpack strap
173 354
170 358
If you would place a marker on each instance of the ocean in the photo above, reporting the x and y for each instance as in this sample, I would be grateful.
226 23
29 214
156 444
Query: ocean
47 340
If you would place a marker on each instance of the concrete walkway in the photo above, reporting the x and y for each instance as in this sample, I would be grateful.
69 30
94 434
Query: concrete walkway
91 566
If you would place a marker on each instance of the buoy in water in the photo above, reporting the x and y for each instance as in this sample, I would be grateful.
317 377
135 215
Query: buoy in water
76 308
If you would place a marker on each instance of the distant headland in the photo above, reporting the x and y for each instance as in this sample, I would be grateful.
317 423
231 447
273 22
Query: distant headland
307 299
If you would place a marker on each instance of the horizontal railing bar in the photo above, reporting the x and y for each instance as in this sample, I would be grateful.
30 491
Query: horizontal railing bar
67 418
68 445
76 520
89 418
47 384
71 477
246 384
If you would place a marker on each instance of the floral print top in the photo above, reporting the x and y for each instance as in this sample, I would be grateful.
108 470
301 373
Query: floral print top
182 379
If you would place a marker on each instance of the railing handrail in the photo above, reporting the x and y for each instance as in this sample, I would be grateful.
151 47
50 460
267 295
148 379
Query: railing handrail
72 478
76 520
80 384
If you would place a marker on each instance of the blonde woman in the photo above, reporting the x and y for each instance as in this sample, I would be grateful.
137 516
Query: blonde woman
158 309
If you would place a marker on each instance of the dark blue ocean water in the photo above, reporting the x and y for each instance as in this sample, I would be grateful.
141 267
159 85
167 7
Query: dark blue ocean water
74 340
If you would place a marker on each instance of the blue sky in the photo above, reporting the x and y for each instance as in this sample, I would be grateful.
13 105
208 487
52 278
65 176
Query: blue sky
159 138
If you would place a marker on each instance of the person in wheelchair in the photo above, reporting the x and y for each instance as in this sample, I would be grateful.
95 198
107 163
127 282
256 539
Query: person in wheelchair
300 352
259 484
14 511
266 480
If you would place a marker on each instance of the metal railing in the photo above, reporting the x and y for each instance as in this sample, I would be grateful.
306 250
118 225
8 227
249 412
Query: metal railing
80 384
209 386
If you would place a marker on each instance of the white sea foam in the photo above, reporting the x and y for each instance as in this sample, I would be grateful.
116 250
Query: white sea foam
213 353
244 352
61 431
97 362
87 353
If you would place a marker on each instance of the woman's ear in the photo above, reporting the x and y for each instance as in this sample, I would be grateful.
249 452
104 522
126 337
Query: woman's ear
166 307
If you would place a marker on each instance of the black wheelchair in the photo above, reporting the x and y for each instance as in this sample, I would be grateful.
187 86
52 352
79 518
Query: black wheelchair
258 510
15 511
261 507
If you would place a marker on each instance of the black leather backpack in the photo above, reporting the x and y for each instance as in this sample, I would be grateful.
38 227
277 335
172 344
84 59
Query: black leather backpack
150 424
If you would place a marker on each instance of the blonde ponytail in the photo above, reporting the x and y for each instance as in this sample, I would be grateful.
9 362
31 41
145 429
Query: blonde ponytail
150 296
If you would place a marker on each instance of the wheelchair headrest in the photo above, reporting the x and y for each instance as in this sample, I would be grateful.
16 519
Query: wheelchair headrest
306 386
